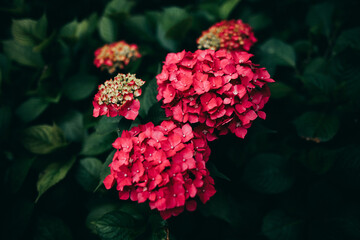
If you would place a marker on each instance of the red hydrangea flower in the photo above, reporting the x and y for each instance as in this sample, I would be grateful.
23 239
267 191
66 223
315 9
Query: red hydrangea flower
227 34
115 55
217 91
117 97
164 165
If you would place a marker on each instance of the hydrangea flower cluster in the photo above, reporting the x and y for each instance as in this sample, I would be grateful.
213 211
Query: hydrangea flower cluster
117 97
115 55
217 90
162 164
227 34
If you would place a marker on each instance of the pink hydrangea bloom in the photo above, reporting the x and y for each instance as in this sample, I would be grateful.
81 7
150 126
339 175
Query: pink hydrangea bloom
164 165
217 91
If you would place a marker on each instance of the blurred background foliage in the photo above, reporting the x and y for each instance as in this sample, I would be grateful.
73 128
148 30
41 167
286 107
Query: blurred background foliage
295 175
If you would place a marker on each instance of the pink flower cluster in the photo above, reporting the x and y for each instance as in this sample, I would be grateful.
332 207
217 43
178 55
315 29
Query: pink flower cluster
115 55
227 34
117 97
217 90
163 164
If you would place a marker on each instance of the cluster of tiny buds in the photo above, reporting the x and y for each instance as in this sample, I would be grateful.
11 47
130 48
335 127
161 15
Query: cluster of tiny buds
115 55
231 35
120 90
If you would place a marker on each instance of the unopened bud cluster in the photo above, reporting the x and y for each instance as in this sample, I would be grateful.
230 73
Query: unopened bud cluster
116 97
230 35
115 55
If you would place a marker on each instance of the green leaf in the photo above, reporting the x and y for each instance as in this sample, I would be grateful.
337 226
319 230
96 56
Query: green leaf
29 32
117 225
280 90
21 212
5 120
107 29
118 7
268 173
315 66
227 7
139 25
108 125
318 160
69 30
216 173
319 18
88 172
259 21
158 227
148 98
52 174
77 30
18 172
279 226
43 139
51 228
348 39
72 123
105 169
97 143
316 126
276 52
173 25
80 86
317 82
31 109
24 55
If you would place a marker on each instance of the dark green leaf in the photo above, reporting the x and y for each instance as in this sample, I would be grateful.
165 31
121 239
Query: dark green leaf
315 66
18 172
316 126
280 90
259 21
276 52
108 125
51 228
349 38
29 32
105 169
319 18
97 143
118 7
216 173
158 227
5 118
107 29
117 225
24 55
31 109
148 98
88 173
173 24
21 213
72 124
139 25
318 160
80 86
43 139
278 226
268 173
52 174
227 7
317 82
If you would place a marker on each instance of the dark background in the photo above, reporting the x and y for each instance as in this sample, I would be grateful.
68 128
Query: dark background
296 175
